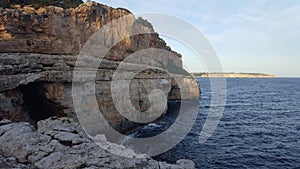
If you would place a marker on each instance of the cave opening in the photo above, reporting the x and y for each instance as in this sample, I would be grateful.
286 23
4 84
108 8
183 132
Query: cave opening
37 105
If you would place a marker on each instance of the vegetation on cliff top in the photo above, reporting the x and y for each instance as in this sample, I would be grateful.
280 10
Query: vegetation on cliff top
40 3
144 22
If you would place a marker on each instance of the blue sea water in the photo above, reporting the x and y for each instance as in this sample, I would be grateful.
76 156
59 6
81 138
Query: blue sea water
260 127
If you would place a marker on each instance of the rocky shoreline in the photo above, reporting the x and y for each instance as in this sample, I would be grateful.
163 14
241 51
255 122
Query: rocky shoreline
61 143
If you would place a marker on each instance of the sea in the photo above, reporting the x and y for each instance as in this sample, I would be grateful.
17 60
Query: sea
260 127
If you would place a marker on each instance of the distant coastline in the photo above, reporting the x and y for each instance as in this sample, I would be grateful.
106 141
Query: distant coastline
232 75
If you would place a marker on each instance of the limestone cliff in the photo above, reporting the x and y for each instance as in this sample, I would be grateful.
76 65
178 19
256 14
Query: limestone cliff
38 51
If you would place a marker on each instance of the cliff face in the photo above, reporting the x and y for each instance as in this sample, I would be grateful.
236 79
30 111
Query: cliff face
52 30
38 51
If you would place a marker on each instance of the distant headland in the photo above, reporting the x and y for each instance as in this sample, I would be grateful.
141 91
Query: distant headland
233 75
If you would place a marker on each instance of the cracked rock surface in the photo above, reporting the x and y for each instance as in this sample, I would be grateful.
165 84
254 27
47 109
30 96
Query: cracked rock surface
61 143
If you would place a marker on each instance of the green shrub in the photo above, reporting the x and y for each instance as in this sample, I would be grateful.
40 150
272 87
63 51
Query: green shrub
143 22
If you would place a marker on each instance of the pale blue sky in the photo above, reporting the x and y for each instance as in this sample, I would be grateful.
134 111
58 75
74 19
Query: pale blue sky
248 36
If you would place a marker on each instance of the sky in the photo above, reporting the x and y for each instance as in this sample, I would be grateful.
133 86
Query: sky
257 36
